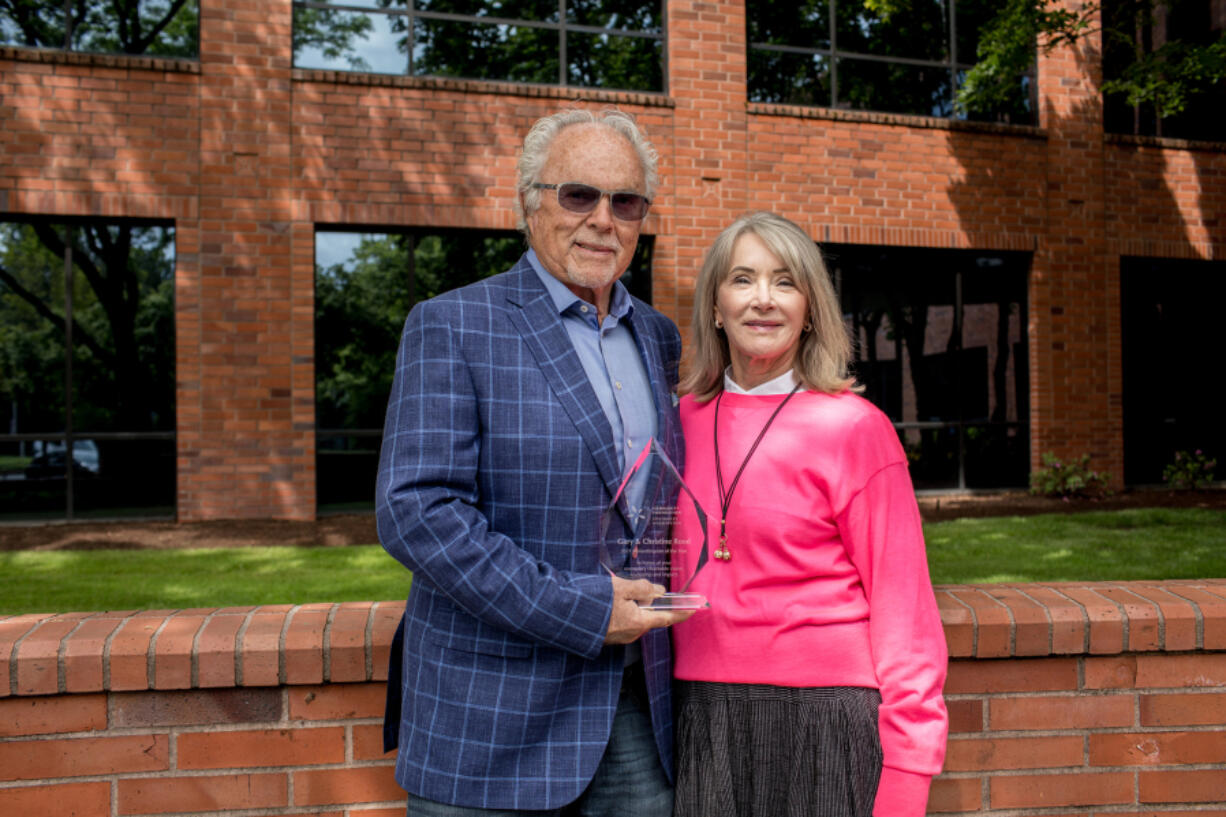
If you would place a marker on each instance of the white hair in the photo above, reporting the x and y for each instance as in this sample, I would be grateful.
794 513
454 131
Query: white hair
540 139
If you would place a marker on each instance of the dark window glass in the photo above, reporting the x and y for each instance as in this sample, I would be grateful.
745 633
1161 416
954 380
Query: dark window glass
803 25
917 30
940 346
1139 29
908 62
970 16
451 48
627 15
541 10
790 78
618 62
1172 375
1018 108
165 28
894 87
365 285
578 43
87 369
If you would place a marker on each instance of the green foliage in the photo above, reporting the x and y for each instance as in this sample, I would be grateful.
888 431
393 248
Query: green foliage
122 325
1152 544
1058 478
31 345
477 49
1168 77
449 48
168 28
334 32
1007 48
1163 79
893 34
360 307
1189 471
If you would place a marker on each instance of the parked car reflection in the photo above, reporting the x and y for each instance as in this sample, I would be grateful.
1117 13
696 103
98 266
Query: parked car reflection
51 460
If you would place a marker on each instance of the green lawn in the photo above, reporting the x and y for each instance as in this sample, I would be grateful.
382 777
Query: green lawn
1142 543
75 580
1094 546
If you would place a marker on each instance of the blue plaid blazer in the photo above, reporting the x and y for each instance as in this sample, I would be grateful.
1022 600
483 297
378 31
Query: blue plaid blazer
497 464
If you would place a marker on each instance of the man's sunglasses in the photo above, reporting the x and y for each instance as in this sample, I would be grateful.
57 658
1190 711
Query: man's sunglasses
583 198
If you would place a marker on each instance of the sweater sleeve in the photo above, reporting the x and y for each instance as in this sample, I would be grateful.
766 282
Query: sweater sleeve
884 538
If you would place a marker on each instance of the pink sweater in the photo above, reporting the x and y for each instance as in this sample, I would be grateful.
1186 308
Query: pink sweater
828 581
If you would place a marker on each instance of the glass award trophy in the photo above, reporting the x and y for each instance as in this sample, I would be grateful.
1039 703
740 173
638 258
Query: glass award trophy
639 526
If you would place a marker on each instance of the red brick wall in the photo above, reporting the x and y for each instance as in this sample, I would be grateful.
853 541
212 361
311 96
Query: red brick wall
247 154
1069 699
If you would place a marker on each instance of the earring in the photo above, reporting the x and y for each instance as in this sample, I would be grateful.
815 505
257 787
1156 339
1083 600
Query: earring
719 324
808 327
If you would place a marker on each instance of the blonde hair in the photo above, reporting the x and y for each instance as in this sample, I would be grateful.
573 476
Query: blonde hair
540 139
822 360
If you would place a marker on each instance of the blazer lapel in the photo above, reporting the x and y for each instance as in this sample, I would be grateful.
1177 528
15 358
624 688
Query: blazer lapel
649 350
533 313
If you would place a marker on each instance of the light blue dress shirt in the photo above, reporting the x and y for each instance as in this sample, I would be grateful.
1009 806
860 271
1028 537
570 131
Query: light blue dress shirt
610 357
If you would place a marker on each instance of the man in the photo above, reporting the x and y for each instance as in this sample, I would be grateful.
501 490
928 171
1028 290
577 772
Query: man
518 404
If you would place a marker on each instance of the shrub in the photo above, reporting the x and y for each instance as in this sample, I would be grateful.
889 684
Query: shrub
1068 479
1189 471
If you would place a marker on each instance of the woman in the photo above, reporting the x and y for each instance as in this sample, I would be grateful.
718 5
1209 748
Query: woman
812 685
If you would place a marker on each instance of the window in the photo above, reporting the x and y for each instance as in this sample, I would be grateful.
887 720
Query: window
585 43
87 369
365 285
841 54
160 28
1172 377
1136 32
940 345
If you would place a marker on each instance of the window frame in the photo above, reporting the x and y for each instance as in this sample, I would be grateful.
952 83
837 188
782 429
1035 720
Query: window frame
958 425
68 47
562 26
833 56
70 434
353 438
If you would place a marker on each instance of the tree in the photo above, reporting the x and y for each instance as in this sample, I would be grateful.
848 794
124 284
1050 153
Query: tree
168 28
903 56
332 32
1161 57
121 324
165 28
513 40
360 307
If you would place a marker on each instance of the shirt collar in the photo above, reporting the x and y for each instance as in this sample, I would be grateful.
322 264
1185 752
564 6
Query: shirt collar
782 384
563 299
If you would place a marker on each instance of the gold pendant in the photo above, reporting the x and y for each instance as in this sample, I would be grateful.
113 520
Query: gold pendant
722 551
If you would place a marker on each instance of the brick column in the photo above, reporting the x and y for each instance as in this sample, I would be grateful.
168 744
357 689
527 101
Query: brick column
1075 392
246 447
709 181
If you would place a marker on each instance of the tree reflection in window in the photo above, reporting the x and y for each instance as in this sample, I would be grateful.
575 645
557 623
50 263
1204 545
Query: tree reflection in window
1183 43
850 56
87 364
365 285
163 28
582 43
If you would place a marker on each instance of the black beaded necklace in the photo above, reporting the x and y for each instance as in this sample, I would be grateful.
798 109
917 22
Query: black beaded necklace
725 499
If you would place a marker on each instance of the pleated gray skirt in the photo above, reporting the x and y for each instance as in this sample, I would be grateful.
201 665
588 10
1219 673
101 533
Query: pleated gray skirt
754 750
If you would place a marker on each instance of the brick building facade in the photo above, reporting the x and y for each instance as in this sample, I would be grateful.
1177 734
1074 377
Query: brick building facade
248 156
